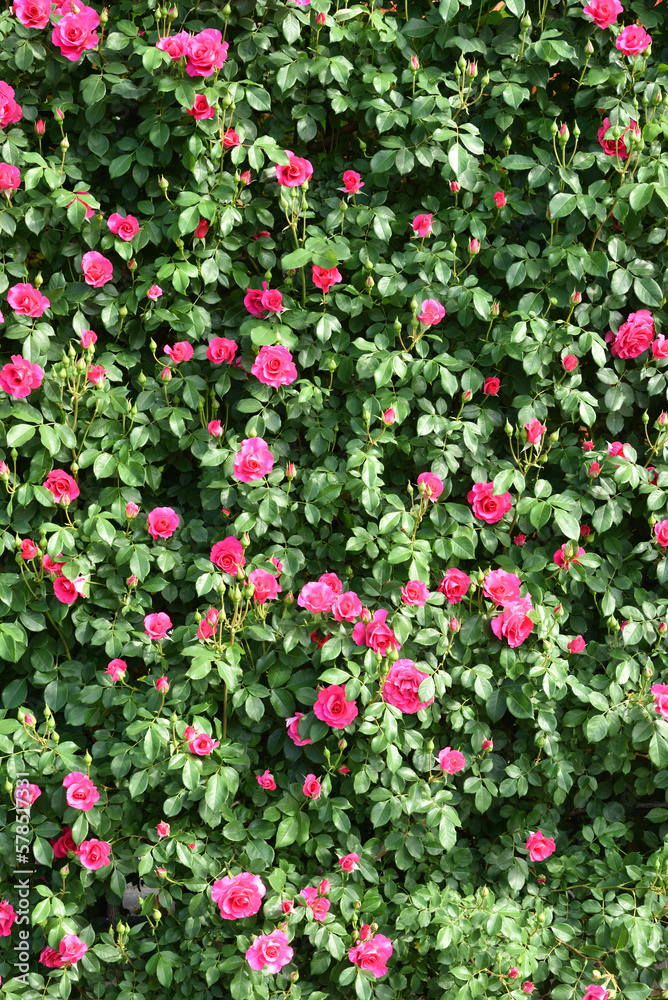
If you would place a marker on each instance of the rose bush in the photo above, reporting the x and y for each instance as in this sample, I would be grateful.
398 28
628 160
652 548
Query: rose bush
319 623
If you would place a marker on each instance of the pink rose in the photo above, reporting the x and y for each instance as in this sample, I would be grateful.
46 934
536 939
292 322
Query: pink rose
415 592
157 625
352 181
312 787
514 623
332 707
389 416
372 955
90 212
181 351
474 246
595 992
201 109
53 568
535 431
270 951
513 973
634 336
528 987
570 363
316 597
272 300
26 795
228 555
98 270
451 761
175 45
576 645
162 685
163 522
376 634
71 948
491 386
10 111
231 139
50 958
660 347
75 33
660 692
488 744
253 301
65 590
265 584
333 582
661 533
27 301
400 687
560 556
486 506
88 338
316 903
245 177
632 40
206 52
203 745
433 484
131 509
274 366
292 725
64 844
499 199
422 225
539 847
215 428
204 630
501 587
154 292
127 228
266 781
603 12
162 829
346 607
254 461
81 792
616 147
96 374
94 854
325 277
287 906
10 177
221 349
7 918
297 171
349 863
61 485
116 669
454 585
432 312
19 378
32 13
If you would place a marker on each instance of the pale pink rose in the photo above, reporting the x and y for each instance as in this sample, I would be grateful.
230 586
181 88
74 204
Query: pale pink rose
372 954
513 623
71 948
231 139
346 607
266 780
126 227
116 669
19 378
81 792
389 416
433 484
26 795
400 687
10 177
616 147
266 585
539 847
634 336
181 351
352 181
270 951
162 685
632 40
535 431
98 270
660 692
333 582
576 645
228 555
154 292
454 585
157 625
325 277
94 854
274 366
487 507
221 349
202 745
432 312
10 111
162 829
27 301
595 992
254 461
215 428
499 199
560 556
502 587
422 225
376 634
332 707
415 592
312 787
603 12
451 761
174 45
32 13
162 522
316 903
316 597
292 725
297 171
349 863
206 52
75 33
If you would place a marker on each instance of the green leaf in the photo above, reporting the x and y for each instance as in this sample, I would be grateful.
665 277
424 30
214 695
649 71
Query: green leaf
561 205
13 644
287 831
648 292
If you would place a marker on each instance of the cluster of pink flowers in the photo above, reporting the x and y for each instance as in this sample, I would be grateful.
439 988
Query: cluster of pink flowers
205 52
262 301
75 32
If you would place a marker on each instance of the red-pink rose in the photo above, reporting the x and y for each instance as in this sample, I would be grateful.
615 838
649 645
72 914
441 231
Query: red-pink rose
28 548
27 301
154 292
10 177
596 992
127 228
157 625
64 844
221 349
632 40
162 829
266 780
163 522
19 378
270 952
616 147
61 485
181 351
48 957
560 556
94 854
372 955
660 347
231 139
499 199
539 847
451 761
422 225
454 585
202 745
75 33
206 52
254 461
228 555
312 787
201 109
634 336
201 229
315 902
333 582
65 590
265 584
274 366
332 707
400 687
352 181
433 484
570 363
295 173
81 792
415 592
491 386
603 12
486 506
316 597
174 45
576 645
432 312
98 270
325 277
292 725
272 300
501 587
349 863
514 623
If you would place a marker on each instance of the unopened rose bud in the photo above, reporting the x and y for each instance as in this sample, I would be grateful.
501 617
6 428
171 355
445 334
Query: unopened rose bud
466 395
662 419
161 872
392 655
245 540
104 16
414 305
576 298
290 471
123 311
473 70
484 892
166 375
163 183
132 581
58 115
141 378
494 311
39 126
596 974
645 418
455 625
65 870
289 598
454 187
320 19
525 22
30 720
64 143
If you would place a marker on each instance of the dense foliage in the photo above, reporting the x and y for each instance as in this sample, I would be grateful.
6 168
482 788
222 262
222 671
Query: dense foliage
334 453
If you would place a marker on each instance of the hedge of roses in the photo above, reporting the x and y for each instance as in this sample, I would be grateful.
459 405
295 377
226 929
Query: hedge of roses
333 448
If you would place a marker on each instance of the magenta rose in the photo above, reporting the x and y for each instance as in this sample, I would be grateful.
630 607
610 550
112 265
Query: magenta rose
432 312
487 507
266 780
221 349
274 366
632 40
316 597
32 13
454 585
98 270
292 725
206 52
433 483
451 761
560 556
535 431
272 300
415 592
660 692
346 607
163 522
61 485
175 45
20 377
372 955
94 854
157 625
491 386
349 862
75 33
228 555
181 351
27 301
603 12
576 645
201 109
422 225
71 949
514 623
64 844
239 896
315 901
116 669
65 590
325 277
596 992
270 951
81 792
634 336
10 177
400 687
127 228
7 918
311 787
254 461
231 139
376 634
539 847
502 587
253 301
295 173
616 147
265 584
661 533
332 707
332 581
10 111
202 745
352 181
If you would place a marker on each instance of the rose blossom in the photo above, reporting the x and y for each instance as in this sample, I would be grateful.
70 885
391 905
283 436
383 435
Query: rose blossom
519 539
266 780
535 431
163 522
274 366
528 987
215 428
26 795
349 863
632 40
501 587
27 301
660 347
316 903
50 958
254 461
346 607
325 277
474 246
422 225
594 469
451 761
376 634
488 744
432 312
539 847
94 854
174 45
513 973
287 906
634 336
389 416
660 692
499 199
352 181
486 506
61 485
332 707
238 897
71 949
65 590
202 745
127 228
616 147
181 351
603 12
231 139
10 177
81 792
245 177
372 954
98 270
96 374
157 625
265 584
596 992
201 229
32 13
491 386
10 111
433 484
162 829
75 33
570 362
514 623
162 685
454 585
576 645
295 173
64 844
560 556
400 687
154 292
333 582
271 299
316 597
206 52
228 555
312 787
415 592
271 951
221 349
292 725
116 669
20 377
